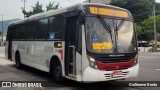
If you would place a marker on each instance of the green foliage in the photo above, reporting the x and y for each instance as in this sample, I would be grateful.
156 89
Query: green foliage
3 34
138 30
142 13
0 32
35 9
51 6
157 7
38 9
120 3
148 26
140 9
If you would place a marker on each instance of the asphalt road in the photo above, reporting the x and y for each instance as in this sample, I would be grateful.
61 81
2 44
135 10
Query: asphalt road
149 71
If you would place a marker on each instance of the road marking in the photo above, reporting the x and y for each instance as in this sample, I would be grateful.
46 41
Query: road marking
157 69
146 57
156 53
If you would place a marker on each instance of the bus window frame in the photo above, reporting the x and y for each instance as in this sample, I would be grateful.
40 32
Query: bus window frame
78 13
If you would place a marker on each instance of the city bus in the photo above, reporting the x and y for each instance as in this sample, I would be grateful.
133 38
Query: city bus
84 42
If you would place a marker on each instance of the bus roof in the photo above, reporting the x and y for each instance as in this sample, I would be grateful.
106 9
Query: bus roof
63 10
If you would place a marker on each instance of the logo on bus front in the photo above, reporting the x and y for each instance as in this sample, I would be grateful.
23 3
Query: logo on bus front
117 67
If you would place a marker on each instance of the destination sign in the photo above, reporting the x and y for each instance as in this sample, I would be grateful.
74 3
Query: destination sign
102 46
108 12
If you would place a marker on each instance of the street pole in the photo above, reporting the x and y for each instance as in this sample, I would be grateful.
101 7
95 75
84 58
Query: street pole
155 31
24 1
89 1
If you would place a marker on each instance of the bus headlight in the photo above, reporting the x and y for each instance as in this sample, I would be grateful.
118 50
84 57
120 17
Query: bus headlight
136 60
92 63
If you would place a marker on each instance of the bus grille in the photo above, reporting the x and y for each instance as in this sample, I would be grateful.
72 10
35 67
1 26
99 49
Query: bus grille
114 59
116 65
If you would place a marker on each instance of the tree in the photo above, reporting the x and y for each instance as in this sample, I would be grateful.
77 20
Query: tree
35 9
140 9
120 3
51 6
148 25
157 8
0 32
142 13
38 9
138 30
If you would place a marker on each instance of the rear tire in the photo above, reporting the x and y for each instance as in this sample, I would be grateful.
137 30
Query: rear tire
18 61
57 73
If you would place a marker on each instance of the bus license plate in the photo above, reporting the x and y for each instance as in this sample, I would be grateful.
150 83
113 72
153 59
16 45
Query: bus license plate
117 73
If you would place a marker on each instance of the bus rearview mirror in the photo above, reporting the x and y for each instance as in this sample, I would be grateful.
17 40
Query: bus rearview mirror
82 19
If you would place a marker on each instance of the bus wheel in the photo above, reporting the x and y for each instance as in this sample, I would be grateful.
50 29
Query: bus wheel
18 61
57 73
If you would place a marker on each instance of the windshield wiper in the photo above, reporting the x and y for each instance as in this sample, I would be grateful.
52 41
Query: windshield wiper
118 27
105 25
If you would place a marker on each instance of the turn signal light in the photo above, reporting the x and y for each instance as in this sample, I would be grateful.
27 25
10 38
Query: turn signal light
58 44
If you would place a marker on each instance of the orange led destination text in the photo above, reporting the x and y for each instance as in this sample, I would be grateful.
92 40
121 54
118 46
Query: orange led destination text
108 12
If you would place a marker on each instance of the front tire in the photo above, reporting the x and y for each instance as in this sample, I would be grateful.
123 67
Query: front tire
18 61
57 73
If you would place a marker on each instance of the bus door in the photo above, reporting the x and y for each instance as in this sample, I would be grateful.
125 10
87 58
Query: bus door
70 48
9 44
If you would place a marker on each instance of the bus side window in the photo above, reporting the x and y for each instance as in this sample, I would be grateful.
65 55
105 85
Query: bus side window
56 28
22 32
42 28
31 30
14 32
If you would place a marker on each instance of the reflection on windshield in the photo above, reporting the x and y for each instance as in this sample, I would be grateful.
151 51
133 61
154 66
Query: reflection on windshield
99 39
126 38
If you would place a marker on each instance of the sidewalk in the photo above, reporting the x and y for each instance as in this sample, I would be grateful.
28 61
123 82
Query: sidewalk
147 49
2 55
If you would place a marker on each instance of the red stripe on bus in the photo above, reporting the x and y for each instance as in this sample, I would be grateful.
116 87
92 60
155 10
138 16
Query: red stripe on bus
61 52
115 66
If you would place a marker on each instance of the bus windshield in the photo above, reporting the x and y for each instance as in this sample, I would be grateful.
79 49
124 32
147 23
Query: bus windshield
120 38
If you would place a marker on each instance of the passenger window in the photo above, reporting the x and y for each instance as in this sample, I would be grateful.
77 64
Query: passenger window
41 29
14 33
31 30
22 32
56 28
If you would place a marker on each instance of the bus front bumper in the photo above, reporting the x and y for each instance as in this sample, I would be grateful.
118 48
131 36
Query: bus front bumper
95 75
